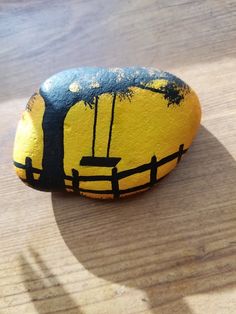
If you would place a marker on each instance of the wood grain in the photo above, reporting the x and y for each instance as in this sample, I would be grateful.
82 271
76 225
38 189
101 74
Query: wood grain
169 250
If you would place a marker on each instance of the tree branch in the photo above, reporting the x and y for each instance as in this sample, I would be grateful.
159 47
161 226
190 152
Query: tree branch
155 90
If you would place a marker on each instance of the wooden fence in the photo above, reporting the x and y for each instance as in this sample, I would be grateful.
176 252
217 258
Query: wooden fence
114 178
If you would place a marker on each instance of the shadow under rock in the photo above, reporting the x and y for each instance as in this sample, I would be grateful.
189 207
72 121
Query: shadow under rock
174 241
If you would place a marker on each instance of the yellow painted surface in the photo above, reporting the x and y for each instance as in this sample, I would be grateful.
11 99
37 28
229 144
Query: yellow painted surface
29 135
143 126
21 173
137 179
36 176
78 134
94 185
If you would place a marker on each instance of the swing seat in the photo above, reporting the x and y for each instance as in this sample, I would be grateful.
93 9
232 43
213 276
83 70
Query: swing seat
99 161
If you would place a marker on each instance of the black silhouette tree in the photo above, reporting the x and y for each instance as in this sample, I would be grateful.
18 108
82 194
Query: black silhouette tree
59 98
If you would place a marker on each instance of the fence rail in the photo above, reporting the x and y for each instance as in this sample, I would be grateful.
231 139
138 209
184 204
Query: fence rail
114 178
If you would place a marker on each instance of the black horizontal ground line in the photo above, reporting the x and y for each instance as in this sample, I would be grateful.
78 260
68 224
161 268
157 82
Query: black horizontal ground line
169 158
18 165
91 178
35 170
91 191
68 178
21 166
135 188
95 178
129 172
97 191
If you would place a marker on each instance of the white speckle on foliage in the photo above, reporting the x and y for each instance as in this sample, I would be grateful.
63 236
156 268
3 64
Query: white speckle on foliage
120 73
47 85
94 83
74 87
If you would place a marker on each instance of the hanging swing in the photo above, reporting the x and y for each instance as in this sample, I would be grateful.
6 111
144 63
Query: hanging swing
105 161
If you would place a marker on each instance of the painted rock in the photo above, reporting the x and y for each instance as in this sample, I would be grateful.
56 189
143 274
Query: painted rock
105 132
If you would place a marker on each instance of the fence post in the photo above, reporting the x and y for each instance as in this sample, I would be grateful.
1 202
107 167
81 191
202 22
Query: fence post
29 170
153 170
75 180
115 183
180 152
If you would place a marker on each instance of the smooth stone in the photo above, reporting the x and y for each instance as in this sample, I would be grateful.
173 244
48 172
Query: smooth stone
105 132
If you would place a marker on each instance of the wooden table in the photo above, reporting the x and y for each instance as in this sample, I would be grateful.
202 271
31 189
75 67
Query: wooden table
169 250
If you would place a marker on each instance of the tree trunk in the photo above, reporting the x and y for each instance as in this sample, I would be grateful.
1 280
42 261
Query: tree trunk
52 177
